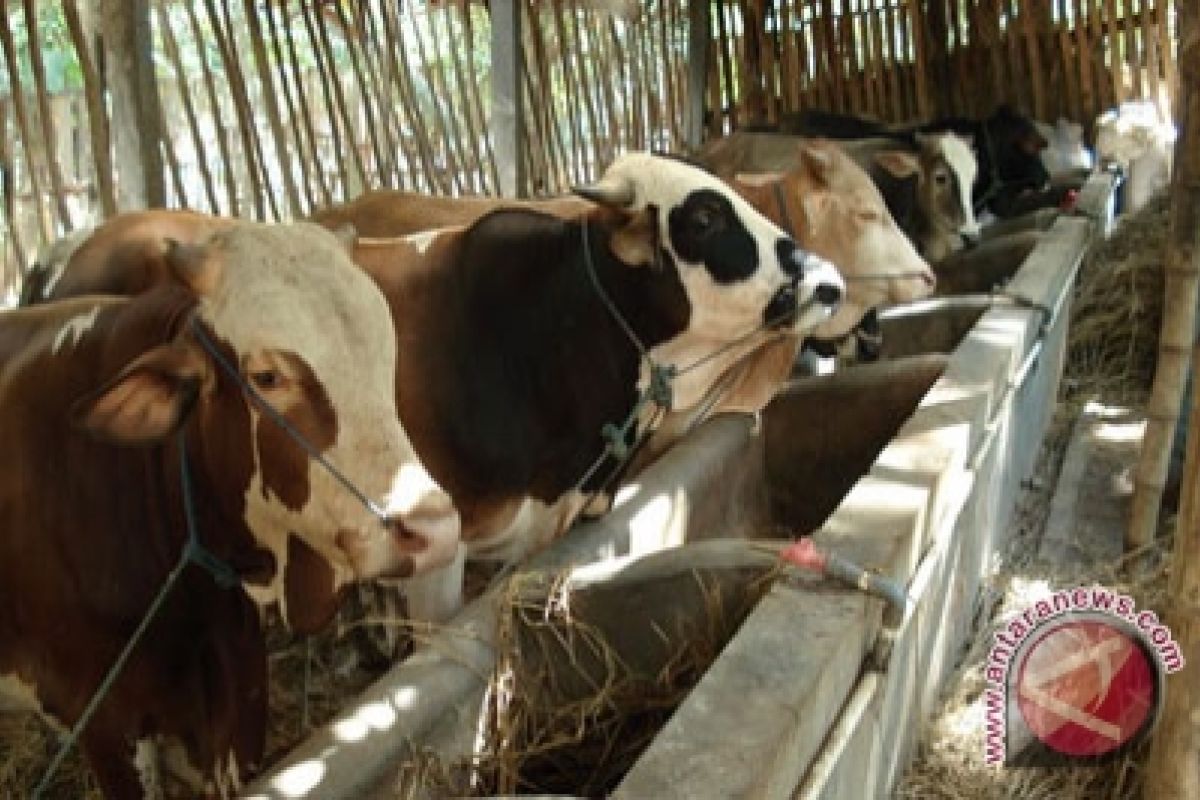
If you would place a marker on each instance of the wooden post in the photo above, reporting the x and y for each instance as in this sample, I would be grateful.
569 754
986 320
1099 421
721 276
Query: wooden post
1176 338
124 30
1173 767
699 34
508 118
97 118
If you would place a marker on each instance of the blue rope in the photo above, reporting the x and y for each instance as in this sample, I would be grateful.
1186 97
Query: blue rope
283 422
194 552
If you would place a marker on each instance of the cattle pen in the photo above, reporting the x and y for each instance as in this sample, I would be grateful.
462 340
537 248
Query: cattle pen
692 640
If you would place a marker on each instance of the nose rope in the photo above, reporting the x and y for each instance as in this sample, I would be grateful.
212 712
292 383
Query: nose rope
282 421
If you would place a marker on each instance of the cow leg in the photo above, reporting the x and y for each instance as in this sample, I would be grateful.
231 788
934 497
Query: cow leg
123 771
438 595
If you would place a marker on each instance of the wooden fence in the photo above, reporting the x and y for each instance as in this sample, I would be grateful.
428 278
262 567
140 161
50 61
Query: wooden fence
274 107
902 60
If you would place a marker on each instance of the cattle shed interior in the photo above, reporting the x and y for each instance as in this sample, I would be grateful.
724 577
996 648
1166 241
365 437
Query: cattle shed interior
273 109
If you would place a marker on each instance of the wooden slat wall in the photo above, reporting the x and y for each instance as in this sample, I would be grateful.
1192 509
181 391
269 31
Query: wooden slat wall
900 60
277 106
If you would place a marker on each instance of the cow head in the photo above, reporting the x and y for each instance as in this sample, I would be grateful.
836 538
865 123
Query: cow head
285 319
945 169
744 278
838 213
1016 145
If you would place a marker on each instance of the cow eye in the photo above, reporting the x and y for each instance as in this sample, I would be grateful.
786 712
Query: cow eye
941 178
266 379
704 218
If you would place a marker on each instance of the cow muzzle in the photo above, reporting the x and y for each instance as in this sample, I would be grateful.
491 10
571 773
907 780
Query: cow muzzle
813 294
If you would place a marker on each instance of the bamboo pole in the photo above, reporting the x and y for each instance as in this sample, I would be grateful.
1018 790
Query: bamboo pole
171 48
1170 71
398 148
466 112
444 122
1149 37
241 105
1179 304
258 49
335 99
353 47
924 99
400 78
172 162
20 114
97 118
489 151
306 114
294 122
606 104
1173 766
1083 58
574 103
45 116
723 43
331 110
8 200
214 104
554 158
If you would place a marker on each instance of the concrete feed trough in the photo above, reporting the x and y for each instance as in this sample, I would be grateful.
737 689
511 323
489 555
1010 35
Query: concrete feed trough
909 466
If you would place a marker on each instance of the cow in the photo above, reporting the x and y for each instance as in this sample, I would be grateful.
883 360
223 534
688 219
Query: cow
825 201
540 334
388 213
926 188
1008 146
245 404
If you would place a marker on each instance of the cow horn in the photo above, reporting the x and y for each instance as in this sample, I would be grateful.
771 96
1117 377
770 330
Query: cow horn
615 192
188 264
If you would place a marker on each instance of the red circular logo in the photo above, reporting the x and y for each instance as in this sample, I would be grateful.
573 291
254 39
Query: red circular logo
1086 687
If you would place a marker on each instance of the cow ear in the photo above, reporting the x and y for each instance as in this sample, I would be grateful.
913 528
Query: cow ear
898 163
816 159
758 179
1033 143
614 192
149 400
190 265
347 234
635 243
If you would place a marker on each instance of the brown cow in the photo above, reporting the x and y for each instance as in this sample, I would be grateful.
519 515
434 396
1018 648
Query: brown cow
388 213
927 185
102 400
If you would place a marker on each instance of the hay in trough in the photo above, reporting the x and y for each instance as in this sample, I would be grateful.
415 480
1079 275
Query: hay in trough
1112 343
585 679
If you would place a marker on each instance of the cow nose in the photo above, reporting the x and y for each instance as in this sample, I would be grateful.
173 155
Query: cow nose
828 293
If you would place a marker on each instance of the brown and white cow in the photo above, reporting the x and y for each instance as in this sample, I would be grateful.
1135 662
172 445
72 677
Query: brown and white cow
927 186
99 397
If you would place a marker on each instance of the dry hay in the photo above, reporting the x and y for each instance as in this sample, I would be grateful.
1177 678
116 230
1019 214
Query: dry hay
1112 344
574 700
